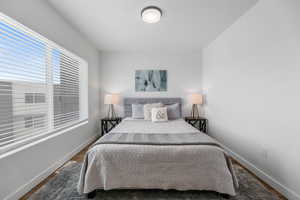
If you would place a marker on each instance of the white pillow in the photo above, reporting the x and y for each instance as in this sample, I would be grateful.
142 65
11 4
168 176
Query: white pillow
148 108
159 114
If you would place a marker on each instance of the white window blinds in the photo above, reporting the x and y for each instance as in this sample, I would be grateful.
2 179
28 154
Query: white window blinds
65 88
43 87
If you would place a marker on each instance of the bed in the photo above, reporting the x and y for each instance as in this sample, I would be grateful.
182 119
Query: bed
140 154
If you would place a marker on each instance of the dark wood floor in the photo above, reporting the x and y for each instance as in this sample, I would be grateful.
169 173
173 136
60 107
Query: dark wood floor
79 158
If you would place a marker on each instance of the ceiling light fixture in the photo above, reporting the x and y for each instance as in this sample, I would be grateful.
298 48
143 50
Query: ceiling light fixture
151 14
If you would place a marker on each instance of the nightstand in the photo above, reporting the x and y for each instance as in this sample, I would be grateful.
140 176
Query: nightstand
199 123
107 124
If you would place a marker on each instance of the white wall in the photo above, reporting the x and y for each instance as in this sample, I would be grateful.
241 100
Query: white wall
251 77
118 69
31 164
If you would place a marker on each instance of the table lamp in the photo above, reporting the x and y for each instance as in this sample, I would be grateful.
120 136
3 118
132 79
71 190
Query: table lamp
196 99
111 100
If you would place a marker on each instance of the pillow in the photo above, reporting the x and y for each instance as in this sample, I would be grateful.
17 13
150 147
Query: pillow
159 114
148 108
173 111
137 111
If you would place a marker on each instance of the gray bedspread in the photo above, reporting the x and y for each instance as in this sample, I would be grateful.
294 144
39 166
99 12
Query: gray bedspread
145 155
157 139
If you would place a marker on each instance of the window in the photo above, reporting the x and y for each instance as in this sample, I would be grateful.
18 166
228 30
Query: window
43 87
28 122
35 121
28 97
35 98
39 98
65 88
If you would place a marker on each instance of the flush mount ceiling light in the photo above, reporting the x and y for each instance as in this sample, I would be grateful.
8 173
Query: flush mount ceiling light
151 14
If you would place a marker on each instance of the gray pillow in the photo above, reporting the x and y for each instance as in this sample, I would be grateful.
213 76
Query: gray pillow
137 111
173 111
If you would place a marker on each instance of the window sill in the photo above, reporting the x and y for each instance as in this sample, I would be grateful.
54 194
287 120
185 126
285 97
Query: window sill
14 148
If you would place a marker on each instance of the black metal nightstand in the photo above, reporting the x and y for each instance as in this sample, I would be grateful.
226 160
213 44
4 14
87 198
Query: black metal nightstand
199 123
107 124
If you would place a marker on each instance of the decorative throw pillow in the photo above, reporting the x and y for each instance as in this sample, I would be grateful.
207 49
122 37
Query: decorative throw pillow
137 111
148 108
173 111
159 114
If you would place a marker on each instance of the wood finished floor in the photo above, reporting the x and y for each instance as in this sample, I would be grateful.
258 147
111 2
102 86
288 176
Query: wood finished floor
79 158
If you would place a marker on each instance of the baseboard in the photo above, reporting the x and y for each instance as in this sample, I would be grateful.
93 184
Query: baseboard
285 191
21 191
290 194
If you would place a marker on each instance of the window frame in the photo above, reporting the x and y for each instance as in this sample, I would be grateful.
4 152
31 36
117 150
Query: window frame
48 96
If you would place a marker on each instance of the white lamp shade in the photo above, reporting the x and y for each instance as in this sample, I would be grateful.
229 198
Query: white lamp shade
111 99
196 99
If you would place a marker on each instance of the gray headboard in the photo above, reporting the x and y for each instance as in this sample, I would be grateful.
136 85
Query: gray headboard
129 101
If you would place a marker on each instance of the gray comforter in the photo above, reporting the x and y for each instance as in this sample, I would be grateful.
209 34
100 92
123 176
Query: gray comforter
146 155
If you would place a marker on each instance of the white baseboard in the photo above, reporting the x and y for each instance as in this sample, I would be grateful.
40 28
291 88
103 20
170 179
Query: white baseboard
21 191
287 192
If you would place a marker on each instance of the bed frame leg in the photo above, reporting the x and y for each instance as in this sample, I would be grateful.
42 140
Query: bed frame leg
91 195
225 196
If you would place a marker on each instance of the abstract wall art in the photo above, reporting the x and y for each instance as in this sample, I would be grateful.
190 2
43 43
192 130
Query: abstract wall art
151 80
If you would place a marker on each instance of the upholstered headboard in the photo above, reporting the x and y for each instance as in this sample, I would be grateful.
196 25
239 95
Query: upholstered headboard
166 101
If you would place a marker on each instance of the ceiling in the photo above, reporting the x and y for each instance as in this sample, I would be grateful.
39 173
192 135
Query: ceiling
186 25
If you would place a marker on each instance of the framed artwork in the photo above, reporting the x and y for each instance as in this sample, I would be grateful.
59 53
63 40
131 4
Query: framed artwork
151 80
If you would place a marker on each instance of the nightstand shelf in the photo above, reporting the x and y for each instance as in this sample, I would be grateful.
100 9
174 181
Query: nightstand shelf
107 124
200 123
